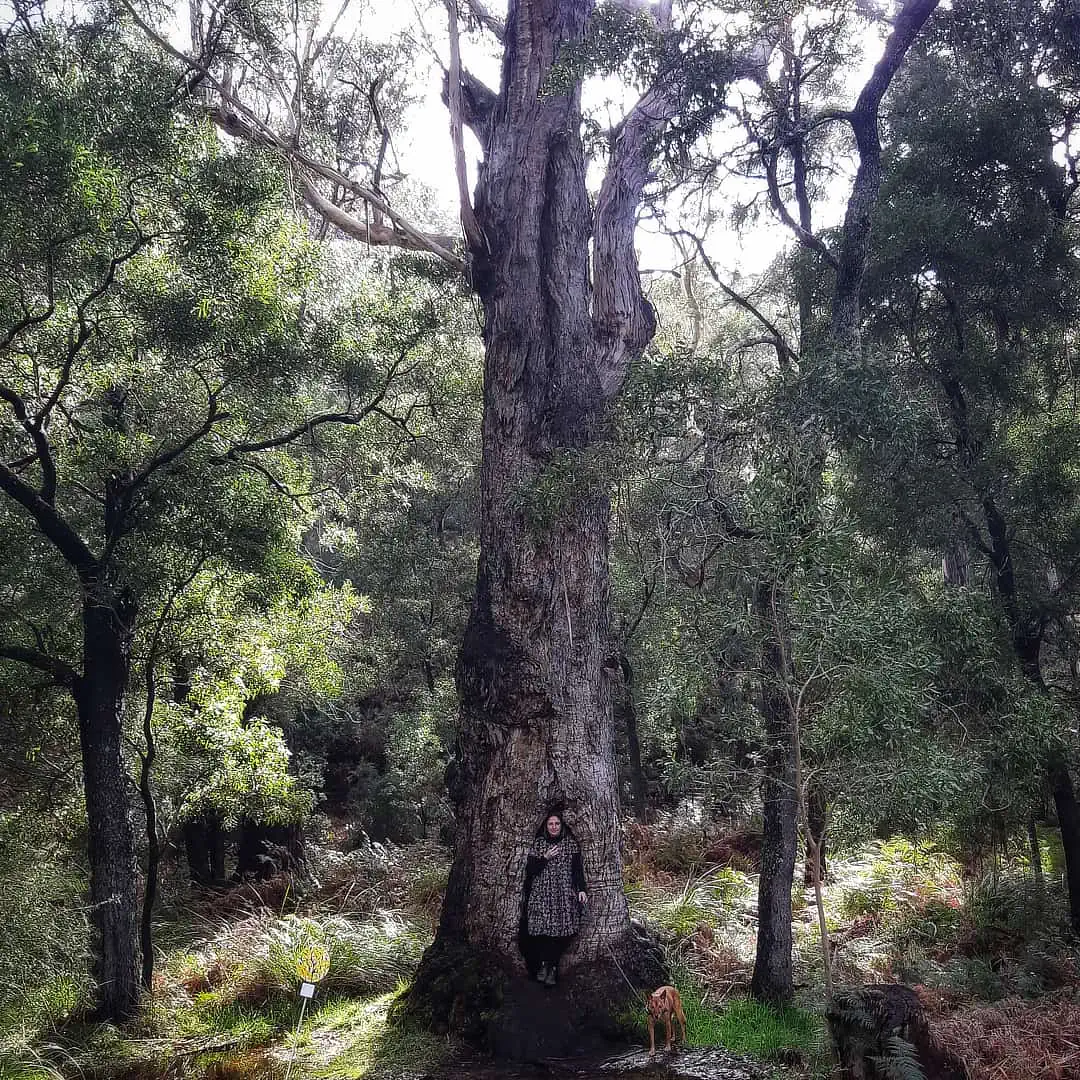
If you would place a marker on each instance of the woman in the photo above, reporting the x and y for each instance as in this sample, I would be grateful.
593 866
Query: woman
555 895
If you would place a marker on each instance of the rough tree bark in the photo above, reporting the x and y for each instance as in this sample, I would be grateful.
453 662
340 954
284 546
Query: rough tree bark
538 662
772 980
108 628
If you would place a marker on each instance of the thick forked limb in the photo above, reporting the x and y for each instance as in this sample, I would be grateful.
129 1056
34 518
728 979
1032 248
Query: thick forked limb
855 235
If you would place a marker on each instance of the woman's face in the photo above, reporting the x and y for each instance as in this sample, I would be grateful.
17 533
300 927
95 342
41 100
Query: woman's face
554 825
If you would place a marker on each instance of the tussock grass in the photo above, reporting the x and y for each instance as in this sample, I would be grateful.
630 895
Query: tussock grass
704 900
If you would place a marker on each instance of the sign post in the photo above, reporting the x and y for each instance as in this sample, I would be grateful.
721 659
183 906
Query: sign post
312 964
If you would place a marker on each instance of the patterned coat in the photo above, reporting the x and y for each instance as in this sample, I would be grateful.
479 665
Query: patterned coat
551 888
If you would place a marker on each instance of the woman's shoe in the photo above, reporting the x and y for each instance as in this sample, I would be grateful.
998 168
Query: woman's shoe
552 976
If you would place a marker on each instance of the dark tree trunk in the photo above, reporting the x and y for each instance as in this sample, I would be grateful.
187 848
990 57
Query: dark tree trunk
153 846
204 848
108 619
772 980
265 850
816 820
1027 643
1035 854
627 713
1068 815
197 851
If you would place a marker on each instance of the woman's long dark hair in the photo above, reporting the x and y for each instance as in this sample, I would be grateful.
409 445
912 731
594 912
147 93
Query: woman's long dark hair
564 829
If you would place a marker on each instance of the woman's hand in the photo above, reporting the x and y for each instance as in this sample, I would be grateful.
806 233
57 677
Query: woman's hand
583 898
552 851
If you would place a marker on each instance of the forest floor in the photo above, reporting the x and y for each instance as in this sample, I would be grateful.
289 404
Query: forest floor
986 948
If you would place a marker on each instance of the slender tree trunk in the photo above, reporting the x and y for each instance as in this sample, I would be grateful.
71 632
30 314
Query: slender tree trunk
627 711
153 847
1068 815
772 980
1035 854
815 834
108 618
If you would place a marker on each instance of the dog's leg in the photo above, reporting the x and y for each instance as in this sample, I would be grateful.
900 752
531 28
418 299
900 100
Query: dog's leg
682 1020
652 1036
667 1022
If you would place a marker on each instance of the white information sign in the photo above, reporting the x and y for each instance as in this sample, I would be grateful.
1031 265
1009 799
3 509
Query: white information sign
307 990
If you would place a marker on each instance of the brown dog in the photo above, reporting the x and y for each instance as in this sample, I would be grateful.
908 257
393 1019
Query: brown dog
663 1004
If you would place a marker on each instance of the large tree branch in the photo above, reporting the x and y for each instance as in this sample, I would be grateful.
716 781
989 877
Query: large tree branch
42 450
478 102
403 235
623 319
805 236
855 237
375 234
63 537
236 119
62 673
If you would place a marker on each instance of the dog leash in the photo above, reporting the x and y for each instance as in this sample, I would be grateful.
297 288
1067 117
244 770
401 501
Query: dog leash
640 993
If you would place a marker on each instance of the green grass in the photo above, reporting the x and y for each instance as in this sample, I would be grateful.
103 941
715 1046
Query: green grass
749 1027
256 1025
350 1039
744 1026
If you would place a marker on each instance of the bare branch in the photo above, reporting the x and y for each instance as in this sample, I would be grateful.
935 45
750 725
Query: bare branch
244 124
328 36
474 237
776 198
488 21
785 354
377 235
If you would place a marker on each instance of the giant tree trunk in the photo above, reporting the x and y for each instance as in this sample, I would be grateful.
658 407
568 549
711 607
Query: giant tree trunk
537 662
772 980
536 722
108 619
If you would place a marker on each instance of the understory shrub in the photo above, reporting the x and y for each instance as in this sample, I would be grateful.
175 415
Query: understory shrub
45 959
